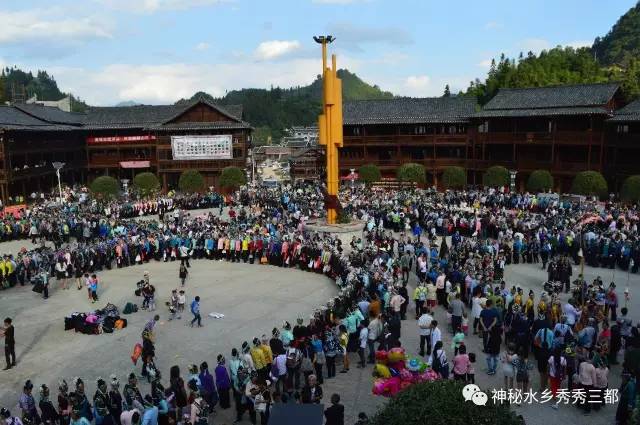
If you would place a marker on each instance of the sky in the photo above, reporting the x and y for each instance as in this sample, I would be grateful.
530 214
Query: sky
158 51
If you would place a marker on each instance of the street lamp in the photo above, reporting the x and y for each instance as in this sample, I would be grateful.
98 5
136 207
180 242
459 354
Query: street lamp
58 166
512 175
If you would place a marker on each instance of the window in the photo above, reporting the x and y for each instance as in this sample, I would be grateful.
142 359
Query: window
550 127
484 127
622 128
355 131
420 129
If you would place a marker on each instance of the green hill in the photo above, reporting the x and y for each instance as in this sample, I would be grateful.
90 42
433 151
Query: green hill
622 42
273 110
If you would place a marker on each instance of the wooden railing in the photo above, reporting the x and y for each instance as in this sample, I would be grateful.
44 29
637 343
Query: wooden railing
406 139
114 161
173 165
582 137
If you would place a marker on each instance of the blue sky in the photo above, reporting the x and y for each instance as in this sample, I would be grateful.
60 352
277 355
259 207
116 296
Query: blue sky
157 51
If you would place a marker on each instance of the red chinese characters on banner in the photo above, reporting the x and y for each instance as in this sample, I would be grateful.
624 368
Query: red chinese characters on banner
120 139
14 210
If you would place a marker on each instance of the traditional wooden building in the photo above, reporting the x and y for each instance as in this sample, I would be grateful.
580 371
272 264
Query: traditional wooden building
308 164
623 144
558 128
32 137
166 139
388 133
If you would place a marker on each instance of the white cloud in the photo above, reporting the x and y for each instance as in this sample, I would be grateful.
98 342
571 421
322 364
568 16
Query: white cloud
151 6
337 1
417 84
576 44
201 47
53 27
535 45
273 49
485 63
492 25
158 84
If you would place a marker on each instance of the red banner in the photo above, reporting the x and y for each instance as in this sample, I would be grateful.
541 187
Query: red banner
135 164
14 210
120 139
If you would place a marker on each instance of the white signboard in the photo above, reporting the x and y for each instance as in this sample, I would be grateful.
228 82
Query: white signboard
202 147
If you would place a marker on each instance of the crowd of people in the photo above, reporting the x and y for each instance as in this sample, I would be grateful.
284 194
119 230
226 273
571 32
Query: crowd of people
575 340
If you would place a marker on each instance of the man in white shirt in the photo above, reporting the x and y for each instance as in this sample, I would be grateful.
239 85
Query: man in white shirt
436 335
396 303
424 330
363 337
572 314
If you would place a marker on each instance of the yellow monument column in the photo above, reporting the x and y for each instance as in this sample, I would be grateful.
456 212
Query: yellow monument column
330 124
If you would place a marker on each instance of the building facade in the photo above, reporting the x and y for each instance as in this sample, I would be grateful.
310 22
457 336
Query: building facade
433 132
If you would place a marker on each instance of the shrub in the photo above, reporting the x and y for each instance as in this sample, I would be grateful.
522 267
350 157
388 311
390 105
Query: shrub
412 172
369 173
232 178
630 190
146 183
540 181
454 178
589 183
441 402
191 181
496 176
105 187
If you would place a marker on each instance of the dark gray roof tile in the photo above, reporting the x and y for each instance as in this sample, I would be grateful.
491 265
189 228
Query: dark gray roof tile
455 109
630 113
566 96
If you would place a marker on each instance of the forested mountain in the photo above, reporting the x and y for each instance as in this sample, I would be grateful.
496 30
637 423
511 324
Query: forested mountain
622 43
16 84
273 110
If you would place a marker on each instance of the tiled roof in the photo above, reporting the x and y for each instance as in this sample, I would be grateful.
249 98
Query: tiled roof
545 112
554 99
455 109
215 125
51 114
12 118
630 113
143 116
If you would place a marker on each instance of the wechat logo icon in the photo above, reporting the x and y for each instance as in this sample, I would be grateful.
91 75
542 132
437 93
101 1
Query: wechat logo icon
472 392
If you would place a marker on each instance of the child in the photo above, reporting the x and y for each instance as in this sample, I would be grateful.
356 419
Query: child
173 304
183 274
457 341
182 299
471 372
509 359
465 324
522 370
94 288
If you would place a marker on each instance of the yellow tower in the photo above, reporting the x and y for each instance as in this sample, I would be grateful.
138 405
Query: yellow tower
330 124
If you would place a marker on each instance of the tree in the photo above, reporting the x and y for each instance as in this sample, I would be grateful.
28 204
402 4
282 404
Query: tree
232 178
630 190
146 183
540 181
496 176
411 172
589 183
191 181
443 403
447 91
105 187
454 178
369 173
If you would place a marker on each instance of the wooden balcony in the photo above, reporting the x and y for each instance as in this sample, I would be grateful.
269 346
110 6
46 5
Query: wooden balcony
107 161
168 165
406 140
623 139
429 163
558 137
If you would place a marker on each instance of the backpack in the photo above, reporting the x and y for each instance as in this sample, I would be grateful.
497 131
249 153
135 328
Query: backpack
293 358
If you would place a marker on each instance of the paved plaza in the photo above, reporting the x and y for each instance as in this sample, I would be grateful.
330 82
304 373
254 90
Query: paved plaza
253 299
